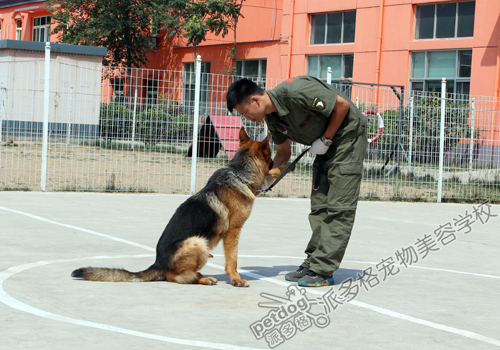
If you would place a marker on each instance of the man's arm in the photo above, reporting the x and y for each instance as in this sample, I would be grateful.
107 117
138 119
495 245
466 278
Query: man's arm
339 113
283 154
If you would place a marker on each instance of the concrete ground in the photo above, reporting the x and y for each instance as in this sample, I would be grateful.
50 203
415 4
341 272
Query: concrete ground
447 297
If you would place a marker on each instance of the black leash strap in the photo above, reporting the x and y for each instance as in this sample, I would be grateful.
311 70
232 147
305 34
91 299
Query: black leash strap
286 171
321 163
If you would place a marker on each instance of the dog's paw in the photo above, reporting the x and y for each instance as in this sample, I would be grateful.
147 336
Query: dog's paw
276 172
240 283
209 281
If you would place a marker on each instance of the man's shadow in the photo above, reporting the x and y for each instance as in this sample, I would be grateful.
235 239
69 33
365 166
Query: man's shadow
339 276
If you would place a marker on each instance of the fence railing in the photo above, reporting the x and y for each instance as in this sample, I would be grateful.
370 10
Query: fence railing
134 130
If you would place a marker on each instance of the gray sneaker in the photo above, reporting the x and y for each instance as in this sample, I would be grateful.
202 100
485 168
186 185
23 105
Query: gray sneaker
313 279
295 276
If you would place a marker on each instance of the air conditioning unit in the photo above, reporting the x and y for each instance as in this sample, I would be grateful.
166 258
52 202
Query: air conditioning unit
151 44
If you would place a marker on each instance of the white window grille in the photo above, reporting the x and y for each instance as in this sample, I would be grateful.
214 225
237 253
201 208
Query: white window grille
333 28
41 29
445 20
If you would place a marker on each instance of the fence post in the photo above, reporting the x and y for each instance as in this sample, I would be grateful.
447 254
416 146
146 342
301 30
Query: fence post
194 154
441 140
45 130
3 93
411 131
68 138
329 75
471 148
133 120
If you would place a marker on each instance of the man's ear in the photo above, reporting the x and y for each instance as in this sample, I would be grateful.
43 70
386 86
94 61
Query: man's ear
243 136
256 99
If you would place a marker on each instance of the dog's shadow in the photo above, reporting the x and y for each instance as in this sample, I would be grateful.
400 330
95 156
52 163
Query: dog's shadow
339 276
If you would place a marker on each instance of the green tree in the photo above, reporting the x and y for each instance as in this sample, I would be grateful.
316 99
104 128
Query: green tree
233 51
120 26
193 20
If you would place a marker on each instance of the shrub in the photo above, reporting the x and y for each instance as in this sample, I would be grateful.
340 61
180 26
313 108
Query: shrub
115 121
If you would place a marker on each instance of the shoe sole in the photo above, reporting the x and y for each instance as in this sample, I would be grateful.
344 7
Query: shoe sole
327 282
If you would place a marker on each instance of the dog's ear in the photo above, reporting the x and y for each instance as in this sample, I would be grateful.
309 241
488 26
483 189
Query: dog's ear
243 136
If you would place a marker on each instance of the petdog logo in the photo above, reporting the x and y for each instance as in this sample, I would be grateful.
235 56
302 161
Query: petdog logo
287 316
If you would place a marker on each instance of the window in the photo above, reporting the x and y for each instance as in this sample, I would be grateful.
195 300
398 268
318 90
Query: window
118 91
19 29
429 67
447 20
333 28
41 29
151 92
254 70
189 85
155 27
341 65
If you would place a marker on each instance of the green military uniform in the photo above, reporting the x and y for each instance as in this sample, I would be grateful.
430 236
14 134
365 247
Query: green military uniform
304 106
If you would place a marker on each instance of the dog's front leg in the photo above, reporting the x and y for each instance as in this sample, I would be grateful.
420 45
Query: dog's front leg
231 253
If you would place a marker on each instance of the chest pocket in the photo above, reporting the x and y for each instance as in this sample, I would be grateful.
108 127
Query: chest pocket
309 129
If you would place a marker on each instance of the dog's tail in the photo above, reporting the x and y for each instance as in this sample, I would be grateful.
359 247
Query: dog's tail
105 274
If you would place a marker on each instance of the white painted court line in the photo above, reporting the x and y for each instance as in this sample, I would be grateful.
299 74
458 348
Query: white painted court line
18 305
377 309
78 229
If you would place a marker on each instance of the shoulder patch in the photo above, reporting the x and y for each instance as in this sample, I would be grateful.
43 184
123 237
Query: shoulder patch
319 104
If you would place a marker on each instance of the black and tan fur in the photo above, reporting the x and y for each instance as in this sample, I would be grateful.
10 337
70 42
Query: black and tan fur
215 213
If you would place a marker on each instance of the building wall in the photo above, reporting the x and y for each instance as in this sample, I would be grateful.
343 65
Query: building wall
265 32
258 37
26 11
397 41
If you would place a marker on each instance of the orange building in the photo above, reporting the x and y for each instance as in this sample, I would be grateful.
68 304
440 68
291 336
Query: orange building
413 43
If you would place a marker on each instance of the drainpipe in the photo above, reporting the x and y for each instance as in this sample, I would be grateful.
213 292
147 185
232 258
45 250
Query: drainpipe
497 94
497 75
290 39
379 45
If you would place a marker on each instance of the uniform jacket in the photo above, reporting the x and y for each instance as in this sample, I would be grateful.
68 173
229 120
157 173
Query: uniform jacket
305 105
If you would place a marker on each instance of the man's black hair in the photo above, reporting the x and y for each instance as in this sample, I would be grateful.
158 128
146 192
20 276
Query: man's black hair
240 91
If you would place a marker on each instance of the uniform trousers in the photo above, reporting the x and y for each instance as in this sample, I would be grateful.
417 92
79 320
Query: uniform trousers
334 199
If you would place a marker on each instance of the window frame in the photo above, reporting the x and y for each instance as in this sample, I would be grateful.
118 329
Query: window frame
416 29
425 80
261 73
334 80
188 84
118 91
151 92
41 28
19 29
342 30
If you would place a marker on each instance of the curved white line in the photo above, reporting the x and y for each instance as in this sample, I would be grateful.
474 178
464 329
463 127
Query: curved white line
18 305
464 333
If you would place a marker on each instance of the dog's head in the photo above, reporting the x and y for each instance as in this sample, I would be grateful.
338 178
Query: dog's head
260 151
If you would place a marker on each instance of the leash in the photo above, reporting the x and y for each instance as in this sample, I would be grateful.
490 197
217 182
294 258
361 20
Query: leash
286 171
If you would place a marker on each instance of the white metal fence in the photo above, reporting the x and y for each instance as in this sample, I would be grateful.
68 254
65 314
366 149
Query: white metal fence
118 129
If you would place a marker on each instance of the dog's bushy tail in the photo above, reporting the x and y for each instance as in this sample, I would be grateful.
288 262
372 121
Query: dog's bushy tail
105 274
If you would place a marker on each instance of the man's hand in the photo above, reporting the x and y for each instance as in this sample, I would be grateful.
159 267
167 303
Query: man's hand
318 147
283 154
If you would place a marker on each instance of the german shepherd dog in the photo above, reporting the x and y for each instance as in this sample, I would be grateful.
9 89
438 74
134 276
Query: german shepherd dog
217 212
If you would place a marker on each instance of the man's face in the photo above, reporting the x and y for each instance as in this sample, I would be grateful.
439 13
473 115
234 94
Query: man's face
252 111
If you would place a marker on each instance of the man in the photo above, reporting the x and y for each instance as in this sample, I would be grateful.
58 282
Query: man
310 112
